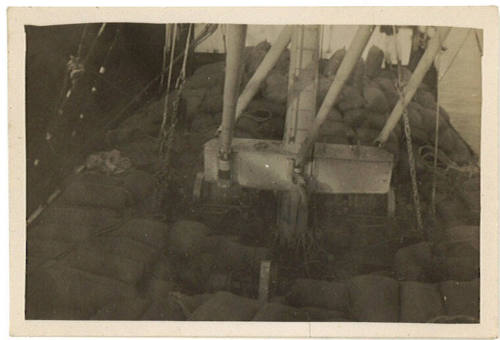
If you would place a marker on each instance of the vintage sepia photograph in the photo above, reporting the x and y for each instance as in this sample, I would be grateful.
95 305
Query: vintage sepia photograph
213 171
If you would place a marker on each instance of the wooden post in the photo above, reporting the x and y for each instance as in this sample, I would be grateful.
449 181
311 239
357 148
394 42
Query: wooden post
302 88
350 60
264 281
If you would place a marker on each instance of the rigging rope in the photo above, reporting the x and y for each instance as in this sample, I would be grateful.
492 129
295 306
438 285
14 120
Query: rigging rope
167 135
169 81
436 142
167 43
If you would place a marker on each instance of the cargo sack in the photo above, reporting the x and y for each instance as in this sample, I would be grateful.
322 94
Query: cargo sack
366 136
375 100
231 256
461 298
471 193
97 260
320 314
324 84
278 312
462 240
389 89
334 62
414 263
186 238
369 259
128 248
425 99
253 56
333 129
420 302
55 288
375 121
128 131
461 153
203 122
469 234
366 235
96 195
157 289
92 177
452 211
447 140
459 268
393 146
276 87
139 183
358 74
164 310
194 273
205 76
334 124
355 117
150 232
224 306
429 120
374 61
337 238
72 232
191 302
374 298
163 269
272 128
415 117
212 103
350 98
472 197
275 109
129 309
317 293
41 251
142 153
99 218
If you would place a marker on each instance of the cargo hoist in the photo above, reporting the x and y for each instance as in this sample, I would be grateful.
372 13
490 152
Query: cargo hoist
297 166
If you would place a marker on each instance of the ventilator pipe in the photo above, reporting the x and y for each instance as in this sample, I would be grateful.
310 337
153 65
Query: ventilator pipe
265 66
350 60
236 35
433 48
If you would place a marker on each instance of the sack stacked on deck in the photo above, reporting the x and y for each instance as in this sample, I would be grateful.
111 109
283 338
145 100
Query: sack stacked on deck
57 291
279 312
84 234
224 306
60 227
204 262
374 298
320 294
262 119
457 254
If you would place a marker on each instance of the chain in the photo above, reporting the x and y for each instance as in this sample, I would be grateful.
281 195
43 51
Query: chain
409 144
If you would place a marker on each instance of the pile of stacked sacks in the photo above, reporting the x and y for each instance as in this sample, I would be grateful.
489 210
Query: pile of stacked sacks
93 245
357 117
366 101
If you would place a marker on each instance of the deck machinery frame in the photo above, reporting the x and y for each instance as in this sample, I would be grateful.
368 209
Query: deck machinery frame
297 166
